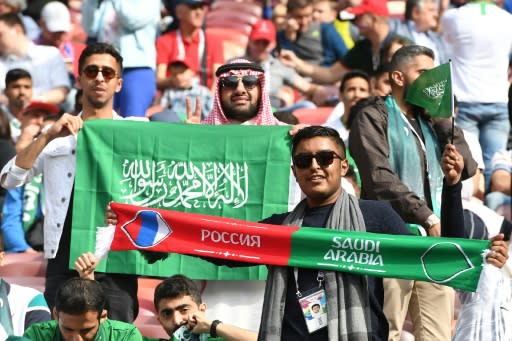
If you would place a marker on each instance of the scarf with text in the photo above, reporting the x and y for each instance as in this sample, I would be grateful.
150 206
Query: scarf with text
448 261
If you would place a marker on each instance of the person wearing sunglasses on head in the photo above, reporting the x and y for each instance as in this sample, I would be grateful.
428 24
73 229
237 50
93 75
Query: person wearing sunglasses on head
53 154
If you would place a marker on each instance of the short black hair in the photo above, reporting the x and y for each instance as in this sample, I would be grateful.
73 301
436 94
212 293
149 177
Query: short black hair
14 74
317 131
404 55
354 74
77 296
11 19
100 48
174 287
383 68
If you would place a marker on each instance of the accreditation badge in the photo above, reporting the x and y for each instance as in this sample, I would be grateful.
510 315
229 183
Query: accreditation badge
314 308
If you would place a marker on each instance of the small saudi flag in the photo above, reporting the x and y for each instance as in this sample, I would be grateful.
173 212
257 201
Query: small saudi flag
432 90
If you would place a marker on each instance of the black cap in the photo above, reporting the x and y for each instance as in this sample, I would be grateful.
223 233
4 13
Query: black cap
238 66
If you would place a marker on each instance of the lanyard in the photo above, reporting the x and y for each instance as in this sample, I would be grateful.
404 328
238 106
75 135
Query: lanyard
181 46
320 277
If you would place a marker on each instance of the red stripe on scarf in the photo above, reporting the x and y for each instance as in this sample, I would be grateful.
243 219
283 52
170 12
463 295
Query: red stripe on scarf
209 236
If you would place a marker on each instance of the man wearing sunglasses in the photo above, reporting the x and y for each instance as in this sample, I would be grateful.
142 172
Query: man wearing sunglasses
397 148
354 303
52 154
241 96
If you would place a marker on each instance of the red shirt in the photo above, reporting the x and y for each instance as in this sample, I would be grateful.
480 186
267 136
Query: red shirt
167 51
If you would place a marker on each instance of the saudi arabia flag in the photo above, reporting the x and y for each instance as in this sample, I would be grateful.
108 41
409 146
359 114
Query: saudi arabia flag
231 171
432 90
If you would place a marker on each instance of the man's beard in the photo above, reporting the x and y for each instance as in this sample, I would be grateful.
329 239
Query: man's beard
241 114
95 103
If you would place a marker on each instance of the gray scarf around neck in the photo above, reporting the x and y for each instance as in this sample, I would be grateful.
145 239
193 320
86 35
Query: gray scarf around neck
347 294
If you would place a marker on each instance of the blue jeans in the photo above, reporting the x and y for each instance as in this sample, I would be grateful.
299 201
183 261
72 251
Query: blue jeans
494 200
488 121
136 95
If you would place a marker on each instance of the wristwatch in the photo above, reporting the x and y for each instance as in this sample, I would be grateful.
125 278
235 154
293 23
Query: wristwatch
431 221
213 328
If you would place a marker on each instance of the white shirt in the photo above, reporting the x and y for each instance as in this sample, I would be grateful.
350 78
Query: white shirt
334 121
44 63
480 36
57 162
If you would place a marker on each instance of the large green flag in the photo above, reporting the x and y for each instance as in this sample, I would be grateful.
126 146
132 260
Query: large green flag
231 171
432 90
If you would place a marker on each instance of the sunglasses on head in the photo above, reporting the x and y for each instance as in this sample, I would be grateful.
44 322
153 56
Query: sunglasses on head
324 158
231 82
91 71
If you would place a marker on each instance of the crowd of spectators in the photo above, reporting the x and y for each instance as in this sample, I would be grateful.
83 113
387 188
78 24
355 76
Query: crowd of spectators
179 60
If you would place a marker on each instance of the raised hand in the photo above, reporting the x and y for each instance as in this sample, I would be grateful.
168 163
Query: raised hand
291 29
66 125
193 117
85 265
198 323
289 58
452 164
499 251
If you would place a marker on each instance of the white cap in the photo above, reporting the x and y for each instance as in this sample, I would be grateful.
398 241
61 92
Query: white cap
56 17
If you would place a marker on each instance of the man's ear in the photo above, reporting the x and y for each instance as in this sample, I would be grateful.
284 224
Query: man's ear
397 77
119 84
55 314
202 307
103 315
344 167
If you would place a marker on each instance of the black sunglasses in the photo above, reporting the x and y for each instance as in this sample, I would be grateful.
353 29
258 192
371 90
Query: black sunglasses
324 158
231 82
91 72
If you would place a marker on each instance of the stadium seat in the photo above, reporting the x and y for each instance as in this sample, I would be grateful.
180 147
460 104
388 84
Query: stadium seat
254 9
226 33
235 25
230 15
23 258
26 281
316 116
23 264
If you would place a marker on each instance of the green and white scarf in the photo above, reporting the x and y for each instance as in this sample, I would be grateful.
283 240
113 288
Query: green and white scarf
405 158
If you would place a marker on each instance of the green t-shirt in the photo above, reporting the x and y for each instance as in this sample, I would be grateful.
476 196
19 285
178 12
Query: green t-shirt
207 337
110 330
